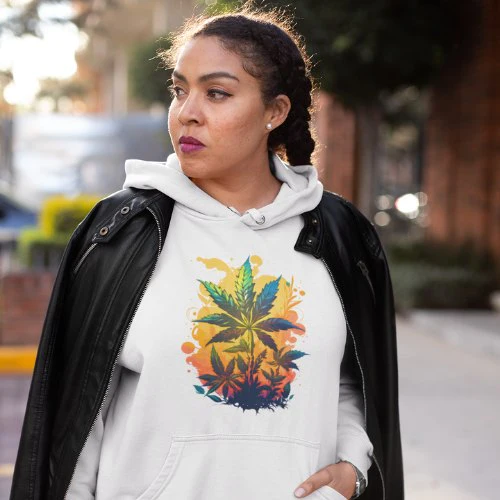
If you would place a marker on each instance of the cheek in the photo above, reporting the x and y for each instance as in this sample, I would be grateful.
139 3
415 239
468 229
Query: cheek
240 124
173 123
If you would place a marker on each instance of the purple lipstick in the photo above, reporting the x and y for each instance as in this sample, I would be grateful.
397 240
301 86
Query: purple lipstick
190 144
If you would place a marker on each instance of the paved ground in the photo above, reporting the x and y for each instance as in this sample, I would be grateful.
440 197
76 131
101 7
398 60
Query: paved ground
450 415
449 403
13 395
475 331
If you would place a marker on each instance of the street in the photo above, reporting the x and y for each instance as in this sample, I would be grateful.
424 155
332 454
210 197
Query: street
449 403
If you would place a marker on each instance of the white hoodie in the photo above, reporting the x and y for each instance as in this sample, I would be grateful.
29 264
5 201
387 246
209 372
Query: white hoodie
228 385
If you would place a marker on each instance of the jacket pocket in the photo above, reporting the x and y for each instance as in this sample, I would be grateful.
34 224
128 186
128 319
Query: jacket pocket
83 258
217 466
366 273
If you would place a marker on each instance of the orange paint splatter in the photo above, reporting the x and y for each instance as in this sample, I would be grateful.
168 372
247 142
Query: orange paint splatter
187 347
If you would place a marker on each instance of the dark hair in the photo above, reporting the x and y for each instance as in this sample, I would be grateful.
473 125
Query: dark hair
272 53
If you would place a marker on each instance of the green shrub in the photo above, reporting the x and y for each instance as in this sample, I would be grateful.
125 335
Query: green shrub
36 249
431 287
437 275
60 214
43 246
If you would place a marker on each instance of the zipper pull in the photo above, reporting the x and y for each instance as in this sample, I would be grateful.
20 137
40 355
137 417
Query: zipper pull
366 274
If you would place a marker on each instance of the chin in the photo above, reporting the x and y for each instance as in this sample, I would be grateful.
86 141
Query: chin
195 168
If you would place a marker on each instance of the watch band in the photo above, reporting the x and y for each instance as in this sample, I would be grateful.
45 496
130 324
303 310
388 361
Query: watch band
360 480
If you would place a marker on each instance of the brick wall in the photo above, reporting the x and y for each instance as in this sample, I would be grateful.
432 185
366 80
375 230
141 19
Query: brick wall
335 127
24 298
462 164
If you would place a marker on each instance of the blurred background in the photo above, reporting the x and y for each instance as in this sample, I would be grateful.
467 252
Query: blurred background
408 125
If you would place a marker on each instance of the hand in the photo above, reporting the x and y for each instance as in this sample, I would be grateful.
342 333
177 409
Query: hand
340 476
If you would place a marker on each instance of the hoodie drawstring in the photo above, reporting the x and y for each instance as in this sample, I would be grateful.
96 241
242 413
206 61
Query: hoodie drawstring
256 215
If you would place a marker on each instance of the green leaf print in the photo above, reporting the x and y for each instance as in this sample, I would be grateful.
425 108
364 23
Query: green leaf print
227 335
222 298
245 287
249 380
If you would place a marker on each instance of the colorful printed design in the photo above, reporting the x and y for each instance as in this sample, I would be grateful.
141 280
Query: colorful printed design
246 357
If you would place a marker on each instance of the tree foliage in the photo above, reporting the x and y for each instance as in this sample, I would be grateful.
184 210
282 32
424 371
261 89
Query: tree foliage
361 48
147 76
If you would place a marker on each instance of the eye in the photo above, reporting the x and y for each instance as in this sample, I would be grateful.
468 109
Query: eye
175 90
217 94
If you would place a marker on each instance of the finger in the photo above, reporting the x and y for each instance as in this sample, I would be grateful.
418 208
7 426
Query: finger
321 478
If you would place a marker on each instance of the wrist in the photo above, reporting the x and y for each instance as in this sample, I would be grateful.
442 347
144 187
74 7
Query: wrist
360 485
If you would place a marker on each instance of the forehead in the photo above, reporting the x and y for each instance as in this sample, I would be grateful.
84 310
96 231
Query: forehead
204 54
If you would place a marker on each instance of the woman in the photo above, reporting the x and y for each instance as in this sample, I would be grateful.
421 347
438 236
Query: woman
222 327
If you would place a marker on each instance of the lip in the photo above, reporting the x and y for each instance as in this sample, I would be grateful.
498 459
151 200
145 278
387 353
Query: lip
189 144
186 139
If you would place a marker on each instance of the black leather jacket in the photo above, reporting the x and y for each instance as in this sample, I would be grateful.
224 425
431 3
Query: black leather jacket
102 278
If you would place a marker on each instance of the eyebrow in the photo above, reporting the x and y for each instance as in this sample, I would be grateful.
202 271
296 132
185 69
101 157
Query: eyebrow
209 76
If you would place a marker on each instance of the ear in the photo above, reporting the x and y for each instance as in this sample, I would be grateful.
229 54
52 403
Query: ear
278 110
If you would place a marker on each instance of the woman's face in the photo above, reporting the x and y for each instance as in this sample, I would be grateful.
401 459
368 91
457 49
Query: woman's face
217 119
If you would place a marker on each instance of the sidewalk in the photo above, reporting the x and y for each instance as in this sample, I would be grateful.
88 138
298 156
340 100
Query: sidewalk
474 330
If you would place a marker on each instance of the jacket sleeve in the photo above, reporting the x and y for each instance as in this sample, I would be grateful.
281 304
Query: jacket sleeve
32 471
353 443
84 481
388 393
385 364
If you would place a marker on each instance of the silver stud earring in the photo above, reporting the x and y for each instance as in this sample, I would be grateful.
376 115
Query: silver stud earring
269 126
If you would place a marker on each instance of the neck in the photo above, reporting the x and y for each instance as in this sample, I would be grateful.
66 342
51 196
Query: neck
250 186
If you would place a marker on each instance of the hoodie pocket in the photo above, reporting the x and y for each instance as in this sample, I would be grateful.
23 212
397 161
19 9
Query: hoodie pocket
247 467
328 493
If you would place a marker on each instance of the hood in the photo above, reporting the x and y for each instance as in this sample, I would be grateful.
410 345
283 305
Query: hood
300 191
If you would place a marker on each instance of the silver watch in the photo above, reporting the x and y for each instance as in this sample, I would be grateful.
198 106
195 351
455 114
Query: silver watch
360 481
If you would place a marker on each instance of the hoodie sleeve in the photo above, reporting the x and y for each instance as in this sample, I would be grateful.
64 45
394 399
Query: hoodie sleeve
353 443
84 481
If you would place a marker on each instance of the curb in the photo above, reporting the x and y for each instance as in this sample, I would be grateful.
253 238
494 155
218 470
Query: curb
17 360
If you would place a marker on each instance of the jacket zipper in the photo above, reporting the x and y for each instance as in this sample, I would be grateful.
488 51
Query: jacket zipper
366 274
124 336
84 256
360 368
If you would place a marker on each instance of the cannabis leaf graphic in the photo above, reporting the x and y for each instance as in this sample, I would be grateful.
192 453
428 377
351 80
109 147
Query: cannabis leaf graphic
245 313
274 383
248 326
286 359
224 377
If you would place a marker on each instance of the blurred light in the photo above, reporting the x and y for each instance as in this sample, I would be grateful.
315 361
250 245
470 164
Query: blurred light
422 198
45 105
19 3
382 218
31 59
83 41
48 11
407 204
21 94
384 202
423 220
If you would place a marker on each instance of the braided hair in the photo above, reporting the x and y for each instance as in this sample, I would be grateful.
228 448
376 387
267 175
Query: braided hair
272 53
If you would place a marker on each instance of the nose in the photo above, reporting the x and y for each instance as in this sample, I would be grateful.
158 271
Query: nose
190 110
